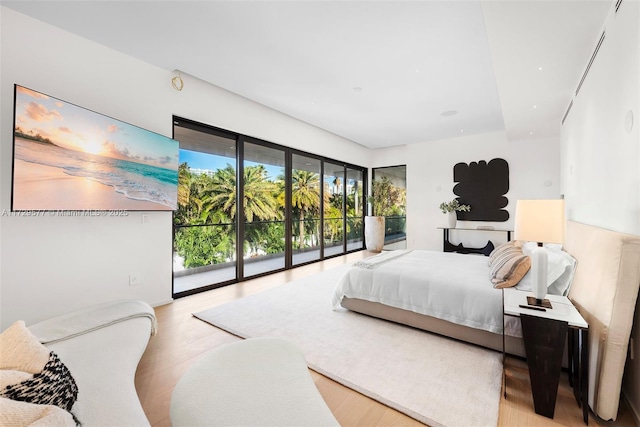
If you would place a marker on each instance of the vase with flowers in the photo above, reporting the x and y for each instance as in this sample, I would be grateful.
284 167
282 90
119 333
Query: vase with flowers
450 208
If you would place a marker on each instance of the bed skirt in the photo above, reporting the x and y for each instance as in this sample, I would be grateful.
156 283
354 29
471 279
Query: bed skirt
513 345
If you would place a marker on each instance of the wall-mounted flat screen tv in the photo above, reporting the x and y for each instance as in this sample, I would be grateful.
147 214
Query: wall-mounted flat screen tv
68 158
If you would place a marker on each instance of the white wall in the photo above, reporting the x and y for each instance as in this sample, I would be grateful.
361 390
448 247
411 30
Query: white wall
53 264
534 172
600 157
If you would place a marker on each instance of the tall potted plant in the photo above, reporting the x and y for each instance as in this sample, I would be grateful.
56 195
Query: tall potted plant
380 202
450 208
373 228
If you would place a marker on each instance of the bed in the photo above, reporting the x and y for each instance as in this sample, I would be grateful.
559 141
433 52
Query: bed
451 294
443 292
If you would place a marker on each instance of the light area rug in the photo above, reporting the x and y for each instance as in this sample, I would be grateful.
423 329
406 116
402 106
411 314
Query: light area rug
436 380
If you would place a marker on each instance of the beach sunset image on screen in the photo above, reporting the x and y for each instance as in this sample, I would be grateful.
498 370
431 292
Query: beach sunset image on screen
67 157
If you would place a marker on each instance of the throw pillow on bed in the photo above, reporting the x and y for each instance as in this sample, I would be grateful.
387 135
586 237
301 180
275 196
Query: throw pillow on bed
512 246
30 373
509 267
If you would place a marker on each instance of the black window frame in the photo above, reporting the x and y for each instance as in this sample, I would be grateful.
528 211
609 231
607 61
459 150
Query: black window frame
241 139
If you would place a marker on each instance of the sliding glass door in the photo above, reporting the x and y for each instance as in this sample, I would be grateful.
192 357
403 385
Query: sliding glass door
264 209
204 241
355 208
247 207
333 209
305 209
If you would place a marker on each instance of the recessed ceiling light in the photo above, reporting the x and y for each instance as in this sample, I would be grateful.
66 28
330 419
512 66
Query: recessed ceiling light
539 68
531 133
449 113
461 130
535 106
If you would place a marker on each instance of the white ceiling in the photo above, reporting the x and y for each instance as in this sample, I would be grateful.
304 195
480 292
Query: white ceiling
379 73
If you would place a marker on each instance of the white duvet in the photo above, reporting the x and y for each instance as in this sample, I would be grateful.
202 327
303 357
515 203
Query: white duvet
446 285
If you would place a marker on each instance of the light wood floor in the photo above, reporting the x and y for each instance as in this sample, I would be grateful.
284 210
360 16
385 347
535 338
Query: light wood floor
182 339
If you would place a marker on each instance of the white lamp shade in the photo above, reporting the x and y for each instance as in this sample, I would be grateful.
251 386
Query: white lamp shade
540 221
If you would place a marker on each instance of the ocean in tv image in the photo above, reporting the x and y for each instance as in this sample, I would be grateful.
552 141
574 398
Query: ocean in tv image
70 158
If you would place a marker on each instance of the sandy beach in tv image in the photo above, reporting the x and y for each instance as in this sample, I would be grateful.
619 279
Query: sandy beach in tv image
69 158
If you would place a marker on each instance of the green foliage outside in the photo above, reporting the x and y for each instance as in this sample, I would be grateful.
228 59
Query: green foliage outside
387 199
206 214
205 245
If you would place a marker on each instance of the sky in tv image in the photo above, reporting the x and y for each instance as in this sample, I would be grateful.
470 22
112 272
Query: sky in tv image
69 158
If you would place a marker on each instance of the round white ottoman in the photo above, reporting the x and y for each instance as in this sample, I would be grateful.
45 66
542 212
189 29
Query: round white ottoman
255 382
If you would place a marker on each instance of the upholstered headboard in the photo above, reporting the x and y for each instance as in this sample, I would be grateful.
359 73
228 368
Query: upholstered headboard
605 289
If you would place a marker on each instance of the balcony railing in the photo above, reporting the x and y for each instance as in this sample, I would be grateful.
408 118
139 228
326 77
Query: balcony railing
395 228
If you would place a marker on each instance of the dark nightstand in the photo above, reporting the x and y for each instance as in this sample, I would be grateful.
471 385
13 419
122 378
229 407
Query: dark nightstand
544 334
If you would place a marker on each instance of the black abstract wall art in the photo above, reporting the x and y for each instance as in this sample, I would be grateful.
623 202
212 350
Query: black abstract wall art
482 185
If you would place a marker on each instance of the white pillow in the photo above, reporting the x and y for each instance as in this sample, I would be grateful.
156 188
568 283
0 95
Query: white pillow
560 269
563 283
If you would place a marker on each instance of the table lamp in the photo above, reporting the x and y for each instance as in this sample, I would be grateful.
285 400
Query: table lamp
540 221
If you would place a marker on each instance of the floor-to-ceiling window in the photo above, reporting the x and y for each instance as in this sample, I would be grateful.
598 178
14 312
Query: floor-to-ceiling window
247 207
334 214
355 208
264 209
204 242
305 208
391 182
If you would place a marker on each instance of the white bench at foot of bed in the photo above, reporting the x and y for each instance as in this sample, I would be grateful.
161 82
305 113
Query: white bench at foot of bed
255 382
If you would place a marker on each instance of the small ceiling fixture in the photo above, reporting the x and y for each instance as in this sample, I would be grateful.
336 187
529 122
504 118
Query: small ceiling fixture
448 113
357 89
177 82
